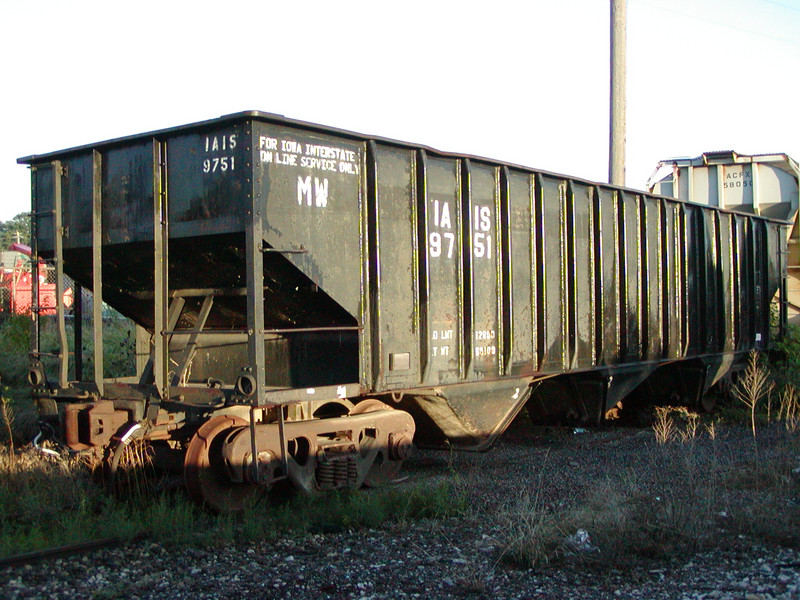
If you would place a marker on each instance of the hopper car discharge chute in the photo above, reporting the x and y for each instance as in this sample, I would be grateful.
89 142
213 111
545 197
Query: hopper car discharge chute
305 302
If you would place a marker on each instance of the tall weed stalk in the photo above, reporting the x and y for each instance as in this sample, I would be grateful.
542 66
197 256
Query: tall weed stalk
789 408
8 420
753 385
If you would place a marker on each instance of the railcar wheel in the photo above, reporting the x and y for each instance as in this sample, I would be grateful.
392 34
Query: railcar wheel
205 472
369 405
387 461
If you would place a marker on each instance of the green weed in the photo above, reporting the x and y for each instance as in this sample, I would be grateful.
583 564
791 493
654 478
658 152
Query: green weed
47 502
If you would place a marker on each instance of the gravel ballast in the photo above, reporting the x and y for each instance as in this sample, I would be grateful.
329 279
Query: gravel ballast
466 556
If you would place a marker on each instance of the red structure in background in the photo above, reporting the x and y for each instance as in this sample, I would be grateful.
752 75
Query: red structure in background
16 288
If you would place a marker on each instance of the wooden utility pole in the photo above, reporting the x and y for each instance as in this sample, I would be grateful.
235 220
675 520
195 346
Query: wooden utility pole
616 151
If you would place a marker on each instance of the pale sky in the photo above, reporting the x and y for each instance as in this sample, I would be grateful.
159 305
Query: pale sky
519 81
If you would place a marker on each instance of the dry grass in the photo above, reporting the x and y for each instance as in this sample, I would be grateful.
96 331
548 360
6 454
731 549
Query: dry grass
135 475
765 489
711 429
619 523
531 535
696 495
40 497
789 408
691 420
677 423
7 415
664 424
753 385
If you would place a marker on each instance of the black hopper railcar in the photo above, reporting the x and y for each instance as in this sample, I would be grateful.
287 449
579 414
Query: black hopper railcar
307 302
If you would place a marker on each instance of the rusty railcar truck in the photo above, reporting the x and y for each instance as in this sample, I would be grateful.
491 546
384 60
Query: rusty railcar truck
307 301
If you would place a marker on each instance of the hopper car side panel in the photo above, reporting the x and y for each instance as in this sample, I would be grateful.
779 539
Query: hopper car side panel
764 184
609 274
270 263
520 335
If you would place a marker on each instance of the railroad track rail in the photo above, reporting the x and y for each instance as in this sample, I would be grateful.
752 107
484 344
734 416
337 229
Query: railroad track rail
68 550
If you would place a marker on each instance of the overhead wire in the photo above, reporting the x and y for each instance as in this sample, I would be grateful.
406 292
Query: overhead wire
726 25
795 8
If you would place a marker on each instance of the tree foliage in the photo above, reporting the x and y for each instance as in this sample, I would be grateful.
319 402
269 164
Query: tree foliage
16 230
